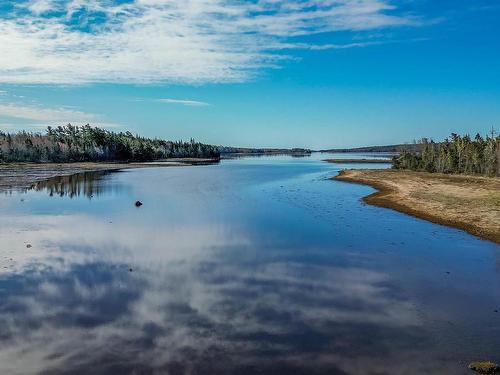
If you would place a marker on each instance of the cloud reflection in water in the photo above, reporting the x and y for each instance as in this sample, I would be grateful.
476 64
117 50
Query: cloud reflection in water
186 306
224 281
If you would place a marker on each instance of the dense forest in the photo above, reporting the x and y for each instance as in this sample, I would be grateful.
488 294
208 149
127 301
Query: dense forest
86 143
457 154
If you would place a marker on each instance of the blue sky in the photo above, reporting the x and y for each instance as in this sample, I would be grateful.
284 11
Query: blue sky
331 73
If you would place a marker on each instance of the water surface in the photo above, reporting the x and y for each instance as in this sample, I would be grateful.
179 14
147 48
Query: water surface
254 266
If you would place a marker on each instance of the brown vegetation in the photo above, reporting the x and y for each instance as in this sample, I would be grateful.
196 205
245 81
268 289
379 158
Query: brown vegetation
485 367
467 202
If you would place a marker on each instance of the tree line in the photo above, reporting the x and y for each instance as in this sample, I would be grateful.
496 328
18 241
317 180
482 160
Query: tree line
86 143
457 154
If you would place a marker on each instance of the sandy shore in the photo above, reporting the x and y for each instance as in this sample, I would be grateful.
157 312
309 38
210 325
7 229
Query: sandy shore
14 176
464 202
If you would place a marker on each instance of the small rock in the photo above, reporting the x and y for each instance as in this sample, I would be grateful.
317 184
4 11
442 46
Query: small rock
138 203
485 367
28 246
130 270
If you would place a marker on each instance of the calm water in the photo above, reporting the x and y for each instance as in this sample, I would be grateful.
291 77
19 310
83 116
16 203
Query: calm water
253 266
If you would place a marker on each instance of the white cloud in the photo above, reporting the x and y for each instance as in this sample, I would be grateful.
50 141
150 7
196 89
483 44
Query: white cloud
188 41
191 103
31 116
45 114
41 6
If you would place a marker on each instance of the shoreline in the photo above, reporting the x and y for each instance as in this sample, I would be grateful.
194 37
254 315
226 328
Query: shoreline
20 176
468 203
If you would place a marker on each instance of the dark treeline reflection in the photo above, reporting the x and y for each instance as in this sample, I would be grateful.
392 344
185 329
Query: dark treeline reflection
88 184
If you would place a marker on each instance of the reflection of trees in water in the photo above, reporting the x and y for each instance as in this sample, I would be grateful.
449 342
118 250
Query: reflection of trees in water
88 184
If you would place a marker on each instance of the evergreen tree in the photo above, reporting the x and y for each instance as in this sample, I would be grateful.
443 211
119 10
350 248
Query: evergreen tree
76 144
459 154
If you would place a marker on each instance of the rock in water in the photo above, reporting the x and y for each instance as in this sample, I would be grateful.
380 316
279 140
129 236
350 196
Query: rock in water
138 203
485 367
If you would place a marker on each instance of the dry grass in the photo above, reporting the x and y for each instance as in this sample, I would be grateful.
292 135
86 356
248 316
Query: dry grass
485 367
465 202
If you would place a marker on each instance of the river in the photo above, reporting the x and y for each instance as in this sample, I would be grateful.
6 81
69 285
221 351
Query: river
258 265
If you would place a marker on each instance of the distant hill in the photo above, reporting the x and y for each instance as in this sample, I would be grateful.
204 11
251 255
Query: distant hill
390 148
226 150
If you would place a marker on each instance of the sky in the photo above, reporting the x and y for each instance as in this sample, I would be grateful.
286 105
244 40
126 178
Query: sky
257 73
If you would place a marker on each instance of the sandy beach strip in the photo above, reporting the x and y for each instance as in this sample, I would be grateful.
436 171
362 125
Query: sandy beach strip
466 202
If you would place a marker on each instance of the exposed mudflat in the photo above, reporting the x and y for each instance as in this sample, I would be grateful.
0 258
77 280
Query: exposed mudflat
465 202
14 176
